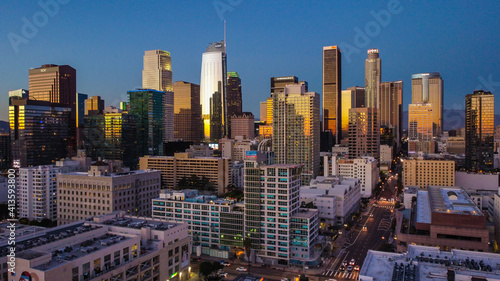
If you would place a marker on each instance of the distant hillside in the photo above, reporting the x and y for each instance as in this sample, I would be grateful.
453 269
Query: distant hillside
4 127
452 118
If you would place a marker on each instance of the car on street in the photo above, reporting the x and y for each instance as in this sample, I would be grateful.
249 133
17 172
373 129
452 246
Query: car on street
284 279
344 263
371 215
241 269
223 274
349 268
352 262
364 228
342 268
224 263
356 267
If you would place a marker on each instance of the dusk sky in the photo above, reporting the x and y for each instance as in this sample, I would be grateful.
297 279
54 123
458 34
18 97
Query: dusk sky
105 42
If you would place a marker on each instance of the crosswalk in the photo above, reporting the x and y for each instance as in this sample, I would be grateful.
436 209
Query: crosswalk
384 225
341 274
389 207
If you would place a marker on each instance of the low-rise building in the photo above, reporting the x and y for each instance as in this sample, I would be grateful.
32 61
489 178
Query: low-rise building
455 145
429 263
214 224
81 195
422 172
184 165
475 181
336 198
107 247
445 217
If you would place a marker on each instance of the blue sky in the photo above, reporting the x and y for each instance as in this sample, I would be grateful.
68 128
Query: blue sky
105 42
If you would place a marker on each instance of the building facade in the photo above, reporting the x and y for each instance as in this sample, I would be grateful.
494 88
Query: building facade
94 105
187 112
364 135
157 71
423 172
420 124
479 131
391 113
242 124
332 92
427 88
373 76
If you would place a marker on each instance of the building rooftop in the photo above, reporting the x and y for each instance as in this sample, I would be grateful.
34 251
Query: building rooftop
428 263
305 213
452 200
192 196
112 175
423 207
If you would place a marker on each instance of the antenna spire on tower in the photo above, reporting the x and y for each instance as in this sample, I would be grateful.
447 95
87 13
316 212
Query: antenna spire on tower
224 35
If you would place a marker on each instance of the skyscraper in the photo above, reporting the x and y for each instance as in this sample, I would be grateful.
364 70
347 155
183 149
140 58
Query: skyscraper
234 104
94 105
56 84
428 88
479 131
420 128
213 91
373 75
296 129
39 132
332 87
120 138
353 97
148 106
187 112
391 113
157 71
364 136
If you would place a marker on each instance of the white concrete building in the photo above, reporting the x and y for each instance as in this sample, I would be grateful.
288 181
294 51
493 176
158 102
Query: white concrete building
365 169
474 181
37 189
237 174
109 247
386 154
335 197
430 263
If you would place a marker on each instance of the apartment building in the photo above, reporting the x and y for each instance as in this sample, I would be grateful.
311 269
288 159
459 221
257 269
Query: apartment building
423 172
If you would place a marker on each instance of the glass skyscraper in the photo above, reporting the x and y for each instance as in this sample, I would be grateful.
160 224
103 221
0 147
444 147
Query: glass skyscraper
187 112
428 88
373 75
213 97
157 71
332 92
148 106
479 131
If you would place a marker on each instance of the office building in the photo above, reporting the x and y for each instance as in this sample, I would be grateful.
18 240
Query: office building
373 76
479 131
57 84
242 124
213 96
455 145
278 84
94 136
37 189
234 104
19 93
120 131
353 97
5 151
214 224
148 106
364 136
391 113
236 149
39 132
427 88
429 263
280 232
80 108
364 169
157 71
445 217
332 92
183 165
263 111
422 172
187 112
107 247
81 195
296 129
337 198
420 136
94 105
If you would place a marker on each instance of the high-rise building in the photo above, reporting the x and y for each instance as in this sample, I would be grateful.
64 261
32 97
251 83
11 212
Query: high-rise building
242 124
296 129
391 113
120 138
479 131
263 111
131 192
148 106
353 97
364 136
234 103
157 71
94 105
278 83
80 113
213 95
332 87
420 128
373 75
187 112
168 116
428 88
423 172
39 132
94 136
5 151
57 84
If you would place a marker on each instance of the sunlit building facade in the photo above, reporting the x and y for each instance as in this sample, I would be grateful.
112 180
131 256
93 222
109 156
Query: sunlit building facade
391 113
296 129
420 125
353 97
157 71
213 91
94 105
187 112
428 88
364 136
479 131
373 75
332 87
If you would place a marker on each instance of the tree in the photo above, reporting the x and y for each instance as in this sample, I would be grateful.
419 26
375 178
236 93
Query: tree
208 268
247 243
24 221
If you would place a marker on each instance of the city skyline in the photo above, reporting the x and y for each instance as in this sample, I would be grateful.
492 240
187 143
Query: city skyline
404 56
